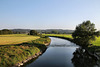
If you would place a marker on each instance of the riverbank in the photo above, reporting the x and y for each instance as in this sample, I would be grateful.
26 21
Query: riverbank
55 56
41 44
92 50
18 54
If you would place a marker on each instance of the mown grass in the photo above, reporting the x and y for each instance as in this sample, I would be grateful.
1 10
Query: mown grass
10 55
60 35
16 38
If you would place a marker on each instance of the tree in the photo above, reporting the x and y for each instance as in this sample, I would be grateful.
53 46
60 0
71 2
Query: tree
33 32
0 32
85 33
54 32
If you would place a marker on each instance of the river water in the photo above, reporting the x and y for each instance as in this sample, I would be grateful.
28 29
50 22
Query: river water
60 53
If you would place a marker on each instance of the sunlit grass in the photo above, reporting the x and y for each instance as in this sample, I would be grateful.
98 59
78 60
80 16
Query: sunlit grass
97 42
60 35
10 55
16 38
14 35
14 54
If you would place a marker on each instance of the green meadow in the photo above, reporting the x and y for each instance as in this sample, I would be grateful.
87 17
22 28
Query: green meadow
16 38
59 35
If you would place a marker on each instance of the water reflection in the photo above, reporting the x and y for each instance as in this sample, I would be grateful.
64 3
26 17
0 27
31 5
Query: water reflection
82 59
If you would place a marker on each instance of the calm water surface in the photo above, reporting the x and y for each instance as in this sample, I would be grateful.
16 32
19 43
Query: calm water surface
58 54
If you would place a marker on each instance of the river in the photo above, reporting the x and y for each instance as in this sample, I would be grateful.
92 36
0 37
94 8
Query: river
58 54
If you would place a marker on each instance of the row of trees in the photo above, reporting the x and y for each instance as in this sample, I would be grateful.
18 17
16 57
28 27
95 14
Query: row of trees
5 31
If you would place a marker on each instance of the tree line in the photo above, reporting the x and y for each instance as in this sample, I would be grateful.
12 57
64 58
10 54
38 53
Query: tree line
5 31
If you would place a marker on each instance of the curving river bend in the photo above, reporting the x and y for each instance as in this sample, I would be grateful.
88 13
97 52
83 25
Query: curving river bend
58 54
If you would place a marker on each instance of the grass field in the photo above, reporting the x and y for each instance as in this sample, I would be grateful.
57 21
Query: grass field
14 54
16 38
97 42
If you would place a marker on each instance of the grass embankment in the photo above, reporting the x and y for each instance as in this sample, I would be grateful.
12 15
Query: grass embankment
13 54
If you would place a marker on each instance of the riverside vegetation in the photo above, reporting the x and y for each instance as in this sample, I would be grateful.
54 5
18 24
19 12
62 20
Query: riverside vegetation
15 48
94 47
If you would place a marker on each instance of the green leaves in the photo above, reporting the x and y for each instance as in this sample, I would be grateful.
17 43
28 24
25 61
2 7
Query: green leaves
33 32
84 33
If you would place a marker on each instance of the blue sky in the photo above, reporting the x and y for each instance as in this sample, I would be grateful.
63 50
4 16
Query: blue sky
48 14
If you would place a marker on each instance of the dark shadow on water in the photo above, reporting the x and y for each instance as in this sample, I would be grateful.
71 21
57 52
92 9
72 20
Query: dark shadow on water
82 59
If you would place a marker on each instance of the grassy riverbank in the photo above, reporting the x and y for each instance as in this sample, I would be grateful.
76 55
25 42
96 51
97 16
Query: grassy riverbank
94 47
60 35
11 55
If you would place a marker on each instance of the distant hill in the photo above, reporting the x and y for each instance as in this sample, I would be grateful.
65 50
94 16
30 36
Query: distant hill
59 31
21 31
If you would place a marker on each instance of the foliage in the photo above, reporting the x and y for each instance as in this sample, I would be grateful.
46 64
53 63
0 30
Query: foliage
33 32
5 31
84 33
54 32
